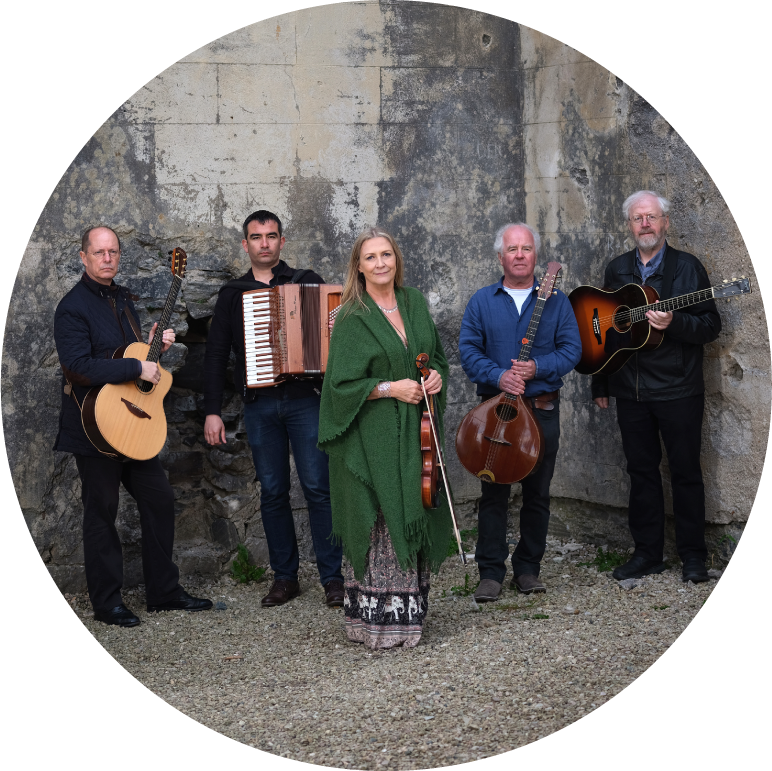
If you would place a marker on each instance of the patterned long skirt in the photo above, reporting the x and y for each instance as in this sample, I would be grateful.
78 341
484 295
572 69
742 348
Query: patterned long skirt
388 607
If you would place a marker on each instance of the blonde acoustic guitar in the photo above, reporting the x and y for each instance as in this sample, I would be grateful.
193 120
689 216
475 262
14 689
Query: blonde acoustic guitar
127 420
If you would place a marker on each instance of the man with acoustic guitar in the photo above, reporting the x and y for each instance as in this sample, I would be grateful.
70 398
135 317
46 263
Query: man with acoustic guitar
493 331
95 318
660 393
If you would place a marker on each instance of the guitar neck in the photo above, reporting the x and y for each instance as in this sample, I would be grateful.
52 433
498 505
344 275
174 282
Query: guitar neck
530 335
674 303
154 354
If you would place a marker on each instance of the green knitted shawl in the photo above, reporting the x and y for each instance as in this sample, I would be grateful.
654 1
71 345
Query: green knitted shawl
374 446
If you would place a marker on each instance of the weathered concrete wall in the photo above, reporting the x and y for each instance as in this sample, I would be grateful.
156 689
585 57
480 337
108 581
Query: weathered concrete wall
436 122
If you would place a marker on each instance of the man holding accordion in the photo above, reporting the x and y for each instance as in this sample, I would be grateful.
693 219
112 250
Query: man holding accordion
275 417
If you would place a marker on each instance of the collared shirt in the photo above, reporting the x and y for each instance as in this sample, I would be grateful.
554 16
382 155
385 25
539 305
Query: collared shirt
652 266
492 332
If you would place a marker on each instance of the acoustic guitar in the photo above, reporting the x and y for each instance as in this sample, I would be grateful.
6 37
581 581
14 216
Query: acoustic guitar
501 441
127 420
613 325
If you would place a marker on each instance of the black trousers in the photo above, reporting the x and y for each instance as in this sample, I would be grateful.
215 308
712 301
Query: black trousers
679 423
492 549
147 484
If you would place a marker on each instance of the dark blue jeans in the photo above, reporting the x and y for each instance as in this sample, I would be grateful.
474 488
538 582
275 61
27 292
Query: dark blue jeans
492 549
679 423
272 426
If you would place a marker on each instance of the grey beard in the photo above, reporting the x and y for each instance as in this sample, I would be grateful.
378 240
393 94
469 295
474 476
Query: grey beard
647 241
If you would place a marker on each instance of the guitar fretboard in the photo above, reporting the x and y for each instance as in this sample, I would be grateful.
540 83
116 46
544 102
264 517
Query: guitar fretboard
639 314
154 354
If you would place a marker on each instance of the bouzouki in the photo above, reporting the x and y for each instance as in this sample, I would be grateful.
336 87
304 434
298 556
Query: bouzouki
432 456
501 441
127 420
613 325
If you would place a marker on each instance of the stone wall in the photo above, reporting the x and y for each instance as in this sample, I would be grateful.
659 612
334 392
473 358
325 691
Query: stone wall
436 122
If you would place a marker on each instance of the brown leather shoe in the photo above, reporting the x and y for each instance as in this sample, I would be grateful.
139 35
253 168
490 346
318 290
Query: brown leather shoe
334 594
281 591
527 584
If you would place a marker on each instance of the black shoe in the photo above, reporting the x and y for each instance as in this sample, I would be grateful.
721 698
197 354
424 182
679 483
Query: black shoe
183 602
695 570
120 615
638 567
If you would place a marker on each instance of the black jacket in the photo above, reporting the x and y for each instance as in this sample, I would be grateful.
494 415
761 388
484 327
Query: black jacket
227 332
90 322
674 369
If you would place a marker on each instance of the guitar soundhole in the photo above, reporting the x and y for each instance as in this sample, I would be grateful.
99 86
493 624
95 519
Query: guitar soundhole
622 320
506 412
144 386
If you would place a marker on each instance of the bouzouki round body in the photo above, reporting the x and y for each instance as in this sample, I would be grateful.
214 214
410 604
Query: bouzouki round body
121 419
500 441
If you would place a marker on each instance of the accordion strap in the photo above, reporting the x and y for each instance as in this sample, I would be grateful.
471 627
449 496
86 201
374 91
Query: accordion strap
297 276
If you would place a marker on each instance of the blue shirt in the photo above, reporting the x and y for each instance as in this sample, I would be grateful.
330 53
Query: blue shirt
651 267
492 332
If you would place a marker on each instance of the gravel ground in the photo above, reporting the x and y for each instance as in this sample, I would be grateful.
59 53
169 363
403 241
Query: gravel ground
483 680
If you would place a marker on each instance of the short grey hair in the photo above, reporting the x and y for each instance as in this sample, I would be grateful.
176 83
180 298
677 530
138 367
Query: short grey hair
630 201
498 243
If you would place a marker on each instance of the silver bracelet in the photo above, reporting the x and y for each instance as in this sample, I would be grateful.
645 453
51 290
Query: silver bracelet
384 389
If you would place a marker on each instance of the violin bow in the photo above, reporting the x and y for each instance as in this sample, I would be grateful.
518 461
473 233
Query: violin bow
421 364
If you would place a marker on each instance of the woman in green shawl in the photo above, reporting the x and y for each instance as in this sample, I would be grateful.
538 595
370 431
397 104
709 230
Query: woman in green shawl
369 425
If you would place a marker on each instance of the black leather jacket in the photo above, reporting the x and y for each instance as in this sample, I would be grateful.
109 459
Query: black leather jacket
674 369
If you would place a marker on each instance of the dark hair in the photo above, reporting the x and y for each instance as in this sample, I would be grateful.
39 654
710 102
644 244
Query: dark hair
262 217
84 239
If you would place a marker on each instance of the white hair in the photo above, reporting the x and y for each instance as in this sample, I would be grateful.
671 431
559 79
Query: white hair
498 243
630 201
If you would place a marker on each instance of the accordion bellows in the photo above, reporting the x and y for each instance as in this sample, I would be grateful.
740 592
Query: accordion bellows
287 331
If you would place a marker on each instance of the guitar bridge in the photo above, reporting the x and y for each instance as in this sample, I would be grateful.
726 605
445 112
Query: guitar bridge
596 326
134 410
498 441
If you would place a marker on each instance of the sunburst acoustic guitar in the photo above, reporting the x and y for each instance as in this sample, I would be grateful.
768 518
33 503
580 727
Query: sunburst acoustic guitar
613 325
127 420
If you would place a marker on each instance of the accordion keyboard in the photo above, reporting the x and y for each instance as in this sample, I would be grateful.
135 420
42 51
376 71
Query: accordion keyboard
264 344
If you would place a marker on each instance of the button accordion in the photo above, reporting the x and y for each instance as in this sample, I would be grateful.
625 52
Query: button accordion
287 331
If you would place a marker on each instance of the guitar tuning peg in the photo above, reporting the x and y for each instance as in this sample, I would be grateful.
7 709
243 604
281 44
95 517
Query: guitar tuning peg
742 277
555 293
726 280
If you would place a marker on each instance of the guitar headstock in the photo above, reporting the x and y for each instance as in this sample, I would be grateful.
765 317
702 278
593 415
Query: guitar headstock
549 281
732 288
179 261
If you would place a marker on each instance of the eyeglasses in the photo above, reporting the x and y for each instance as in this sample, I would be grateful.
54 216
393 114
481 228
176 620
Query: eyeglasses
653 218
102 253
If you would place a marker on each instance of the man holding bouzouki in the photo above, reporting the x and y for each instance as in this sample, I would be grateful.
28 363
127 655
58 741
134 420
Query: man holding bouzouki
517 338
659 390
94 320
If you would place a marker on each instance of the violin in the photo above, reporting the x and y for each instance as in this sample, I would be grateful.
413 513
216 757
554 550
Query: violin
501 440
429 475
432 455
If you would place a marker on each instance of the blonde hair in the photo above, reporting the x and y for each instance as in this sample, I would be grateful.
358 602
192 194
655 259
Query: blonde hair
354 286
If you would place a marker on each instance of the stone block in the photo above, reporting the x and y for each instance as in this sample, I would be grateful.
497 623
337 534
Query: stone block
539 50
542 145
483 40
184 93
449 95
254 94
338 95
355 37
268 42
226 154
340 152
225 533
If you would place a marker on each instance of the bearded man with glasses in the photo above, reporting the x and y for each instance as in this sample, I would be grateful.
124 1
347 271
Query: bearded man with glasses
661 393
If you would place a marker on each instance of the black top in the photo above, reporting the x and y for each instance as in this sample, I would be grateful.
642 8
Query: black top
90 323
227 333
674 369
